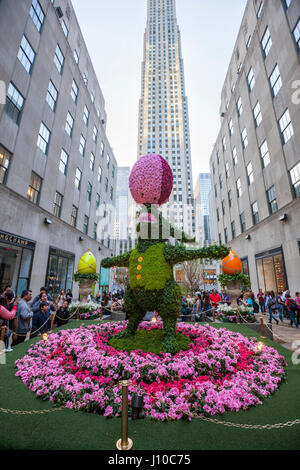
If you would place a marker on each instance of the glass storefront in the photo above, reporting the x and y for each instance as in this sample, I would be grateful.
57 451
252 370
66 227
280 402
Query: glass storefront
16 255
245 265
104 280
60 271
271 271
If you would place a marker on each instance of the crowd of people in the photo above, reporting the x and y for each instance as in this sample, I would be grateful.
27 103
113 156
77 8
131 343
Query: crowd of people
278 305
22 316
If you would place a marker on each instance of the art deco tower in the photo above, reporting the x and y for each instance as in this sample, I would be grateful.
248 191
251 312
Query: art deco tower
163 108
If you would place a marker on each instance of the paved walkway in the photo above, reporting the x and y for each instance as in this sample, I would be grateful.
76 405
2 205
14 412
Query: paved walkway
283 334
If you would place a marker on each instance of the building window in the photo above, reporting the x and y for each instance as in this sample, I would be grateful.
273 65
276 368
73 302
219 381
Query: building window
271 271
258 14
250 173
239 106
218 215
107 161
65 28
95 134
227 172
257 114
76 56
244 138
224 144
26 55
255 215
74 91
296 34
233 230
239 188
5 157
82 144
287 3
234 156
85 225
86 115
59 59
57 205
69 125
230 125
63 164
220 239
286 127
230 198
99 174
89 192
44 138
34 188
37 14
243 222
106 185
216 191
226 235
249 41
221 181
251 79
97 201
113 172
74 214
102 149
52 95
223 207
92 162
271 196
14 104
95 231
295 179
264 153
266 42
78 178
275 81
85 79
111 193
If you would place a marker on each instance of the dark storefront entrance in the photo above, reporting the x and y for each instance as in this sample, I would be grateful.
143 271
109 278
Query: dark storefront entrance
16 255
271 271
60 271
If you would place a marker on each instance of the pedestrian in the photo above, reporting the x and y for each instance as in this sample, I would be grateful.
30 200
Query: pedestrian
261 300
98 298
41 320
37 297
42 298
24 316
206 306
69 296
271 306
297 300
63 314
60 299
215 299
197 308
279 306
292 308
6 316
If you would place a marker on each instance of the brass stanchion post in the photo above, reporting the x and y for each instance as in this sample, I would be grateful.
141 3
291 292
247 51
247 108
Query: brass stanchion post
124 443
262 328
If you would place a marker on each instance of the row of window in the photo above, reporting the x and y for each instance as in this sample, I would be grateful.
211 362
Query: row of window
271 199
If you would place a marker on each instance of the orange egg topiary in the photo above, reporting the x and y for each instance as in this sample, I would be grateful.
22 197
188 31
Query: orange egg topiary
232 264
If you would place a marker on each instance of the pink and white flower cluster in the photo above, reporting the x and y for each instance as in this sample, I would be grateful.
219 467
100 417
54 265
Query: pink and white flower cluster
220 371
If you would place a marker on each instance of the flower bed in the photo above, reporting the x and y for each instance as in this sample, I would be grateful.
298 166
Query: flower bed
226 313
87 311
221 371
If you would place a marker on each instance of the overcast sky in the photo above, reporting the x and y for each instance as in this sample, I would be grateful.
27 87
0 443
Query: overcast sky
114 34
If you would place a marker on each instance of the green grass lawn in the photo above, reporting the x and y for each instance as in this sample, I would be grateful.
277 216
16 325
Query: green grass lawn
70 430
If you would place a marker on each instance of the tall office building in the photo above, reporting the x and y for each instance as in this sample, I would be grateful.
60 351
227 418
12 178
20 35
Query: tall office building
124 207
202 215
163 108
56 163
255 165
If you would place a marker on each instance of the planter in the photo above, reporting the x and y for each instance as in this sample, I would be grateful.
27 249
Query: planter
85 289
234 290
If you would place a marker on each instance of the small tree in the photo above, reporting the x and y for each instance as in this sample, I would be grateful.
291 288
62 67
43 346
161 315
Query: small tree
122 277
192 274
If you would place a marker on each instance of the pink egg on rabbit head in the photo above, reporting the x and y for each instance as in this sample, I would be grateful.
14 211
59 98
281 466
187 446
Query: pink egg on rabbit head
151 180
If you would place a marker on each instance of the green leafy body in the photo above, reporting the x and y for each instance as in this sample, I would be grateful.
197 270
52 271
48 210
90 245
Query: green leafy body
152 285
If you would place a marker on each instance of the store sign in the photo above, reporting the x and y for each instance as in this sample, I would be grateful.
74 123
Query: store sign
16 240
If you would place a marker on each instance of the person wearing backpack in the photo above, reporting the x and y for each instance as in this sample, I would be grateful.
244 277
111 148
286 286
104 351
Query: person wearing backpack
279 306
292 309
271 305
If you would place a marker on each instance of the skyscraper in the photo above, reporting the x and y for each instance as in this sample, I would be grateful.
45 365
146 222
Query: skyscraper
163 108
202 215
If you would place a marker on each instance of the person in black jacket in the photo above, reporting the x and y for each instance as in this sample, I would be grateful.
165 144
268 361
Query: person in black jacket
63 314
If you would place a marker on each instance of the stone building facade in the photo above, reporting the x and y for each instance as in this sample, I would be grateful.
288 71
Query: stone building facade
57 167
255 164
